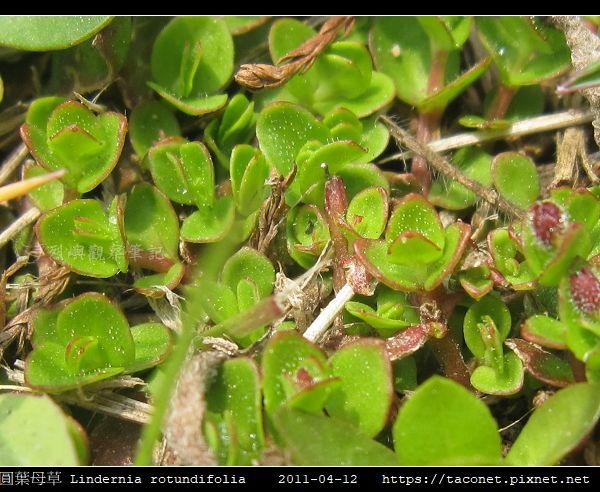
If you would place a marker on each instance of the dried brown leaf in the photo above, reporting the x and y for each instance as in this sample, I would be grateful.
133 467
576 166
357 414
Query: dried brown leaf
256 76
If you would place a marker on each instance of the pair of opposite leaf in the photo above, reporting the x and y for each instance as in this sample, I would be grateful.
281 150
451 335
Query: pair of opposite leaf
87 339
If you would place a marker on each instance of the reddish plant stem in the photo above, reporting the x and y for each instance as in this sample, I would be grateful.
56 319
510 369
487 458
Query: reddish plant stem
336 205
501 102
429 123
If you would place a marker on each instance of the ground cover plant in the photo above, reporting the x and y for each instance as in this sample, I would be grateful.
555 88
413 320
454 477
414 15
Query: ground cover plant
312 241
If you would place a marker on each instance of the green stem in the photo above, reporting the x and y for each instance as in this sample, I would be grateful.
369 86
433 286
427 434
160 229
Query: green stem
152 432
214 256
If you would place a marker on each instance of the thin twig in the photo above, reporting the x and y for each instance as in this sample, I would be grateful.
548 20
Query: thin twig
442 165
112 404
529 126
12 162
319 326
18 225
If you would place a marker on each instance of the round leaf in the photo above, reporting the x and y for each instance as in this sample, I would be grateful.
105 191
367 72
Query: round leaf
365 394
193 56
450 194
152 345
508 382
35 432
516 178
316 440
150 122
414 214
92 315
249 264
46 370
78 234
287 356
368 211
46 33
282 129
69 136
570 414
209 224
150 222
444 424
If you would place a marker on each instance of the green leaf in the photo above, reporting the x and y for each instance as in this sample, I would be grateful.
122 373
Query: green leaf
374 139
571 414
183 171
488 306
287 360
94 63
48 196
35 432
236 126
394 311
516 178
410 247
316 440
219 301
46 33
235 394
150 122
365 394
92 315
418 275
438 101
476 281
504 251
379 93
414 214
150 222
524 50
401 49
192 57
357 176
508 382
209 224
79 235
456 238
444 424
152 345
282 129
345 70
46 370
545 331
66 135
249 171
249 264
195 106
314 163
155 285
368 211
